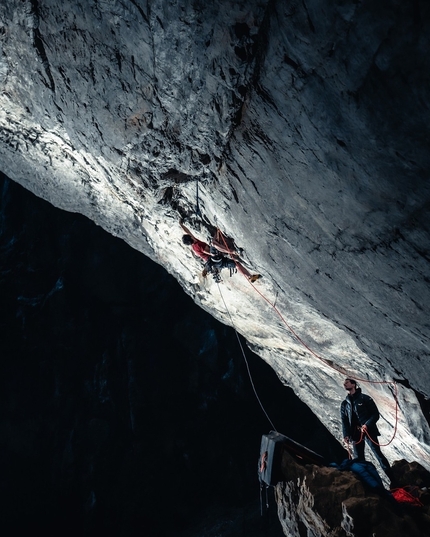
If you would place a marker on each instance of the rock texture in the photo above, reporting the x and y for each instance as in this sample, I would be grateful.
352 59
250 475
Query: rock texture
326 502
299 128
105 405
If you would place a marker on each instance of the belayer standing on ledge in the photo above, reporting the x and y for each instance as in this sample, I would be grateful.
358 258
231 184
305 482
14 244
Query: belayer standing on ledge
359 415
211 255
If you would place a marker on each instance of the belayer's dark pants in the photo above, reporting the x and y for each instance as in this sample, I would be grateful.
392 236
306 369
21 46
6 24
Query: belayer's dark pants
359 453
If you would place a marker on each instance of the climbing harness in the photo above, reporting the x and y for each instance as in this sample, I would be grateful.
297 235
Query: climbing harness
216 263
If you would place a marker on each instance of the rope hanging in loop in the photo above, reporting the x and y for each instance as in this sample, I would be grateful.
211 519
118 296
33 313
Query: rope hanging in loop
395 422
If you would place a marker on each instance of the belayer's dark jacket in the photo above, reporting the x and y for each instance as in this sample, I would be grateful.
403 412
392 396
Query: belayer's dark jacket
366 414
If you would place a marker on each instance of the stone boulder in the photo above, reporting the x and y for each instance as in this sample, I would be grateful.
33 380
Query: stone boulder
326 502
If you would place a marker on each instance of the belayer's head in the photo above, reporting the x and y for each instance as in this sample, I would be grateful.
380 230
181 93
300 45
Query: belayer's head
350 385
187 239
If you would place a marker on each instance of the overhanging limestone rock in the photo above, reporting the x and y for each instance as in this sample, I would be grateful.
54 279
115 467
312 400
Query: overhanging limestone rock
303 129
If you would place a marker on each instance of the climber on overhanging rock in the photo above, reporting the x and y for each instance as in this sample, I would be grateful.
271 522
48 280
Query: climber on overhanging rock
214 261
359 415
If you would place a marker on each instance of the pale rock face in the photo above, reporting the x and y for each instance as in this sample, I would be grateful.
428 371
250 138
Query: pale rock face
300 129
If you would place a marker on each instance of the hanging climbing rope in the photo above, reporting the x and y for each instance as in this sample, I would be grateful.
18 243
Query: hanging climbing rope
245 359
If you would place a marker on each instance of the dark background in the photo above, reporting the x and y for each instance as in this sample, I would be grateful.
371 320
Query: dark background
124 408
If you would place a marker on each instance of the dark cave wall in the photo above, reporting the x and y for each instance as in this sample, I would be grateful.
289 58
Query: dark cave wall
118 393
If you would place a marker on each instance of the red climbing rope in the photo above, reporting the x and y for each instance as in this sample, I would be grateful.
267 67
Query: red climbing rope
299 339
329 363
396 421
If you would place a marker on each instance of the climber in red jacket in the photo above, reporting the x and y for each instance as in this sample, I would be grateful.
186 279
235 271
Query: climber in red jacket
210 253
